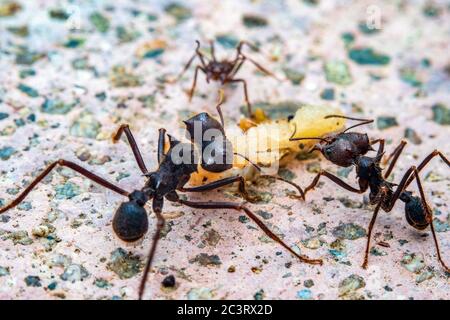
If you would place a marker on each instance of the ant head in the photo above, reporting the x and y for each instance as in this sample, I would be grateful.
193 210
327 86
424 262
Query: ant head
415 212
339 151
130 221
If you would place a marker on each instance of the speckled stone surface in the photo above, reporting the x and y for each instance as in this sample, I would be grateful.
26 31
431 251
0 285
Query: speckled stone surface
71 73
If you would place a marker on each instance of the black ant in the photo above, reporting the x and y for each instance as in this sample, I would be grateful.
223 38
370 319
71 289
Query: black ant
223 70
130 222
349 148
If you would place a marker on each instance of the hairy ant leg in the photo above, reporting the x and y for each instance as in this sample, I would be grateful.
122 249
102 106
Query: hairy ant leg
393 157
244 83
134 147
194 83
427 160
251 215
160 221
369 232
336 180
88 174
429 217
161 144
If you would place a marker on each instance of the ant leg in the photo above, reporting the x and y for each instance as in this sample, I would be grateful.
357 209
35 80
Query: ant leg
260 67
296 186
251 215
221 183
369 233
194 83
394 156
134 147
188 64
429 218
161 144
218 106
335 179
425 162
72 166
244 83
159 226
213 51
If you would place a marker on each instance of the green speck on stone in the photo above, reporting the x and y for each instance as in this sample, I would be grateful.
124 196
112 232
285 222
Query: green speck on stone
441 226
349 203
59 14
29 91
348 38
100 22
102 283
386 122
296 77
409 76
122 175
254 21
425 62
264 214
21 31
304 294
52 106
20 237
377 252
200 294
6 152
52 286
367 29
313 167
311 2
4 271
26 73
338 72
148 101
124 35
308 283
327 94
349 286
259 295
313 243
121 78
426 274
33 281
3 115
19 122
85 126
81 63
73 42
412 136
124 264
101 96
24 206
67 190
205 259
154 53
74 272
441 114
9 8
228 41
211 237
368 56
27 57
349 231
243 219
286 174
178 11
431 10
413 262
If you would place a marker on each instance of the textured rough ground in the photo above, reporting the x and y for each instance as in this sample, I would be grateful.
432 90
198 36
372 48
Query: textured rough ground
67 81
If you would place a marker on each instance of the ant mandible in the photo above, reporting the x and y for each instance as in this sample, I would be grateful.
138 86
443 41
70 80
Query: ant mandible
130 221
349 148
224 70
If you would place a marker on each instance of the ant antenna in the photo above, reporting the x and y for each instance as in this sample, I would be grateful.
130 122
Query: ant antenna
364 121
249 161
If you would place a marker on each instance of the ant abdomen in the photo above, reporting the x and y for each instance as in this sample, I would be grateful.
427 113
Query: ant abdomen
415 213
130 222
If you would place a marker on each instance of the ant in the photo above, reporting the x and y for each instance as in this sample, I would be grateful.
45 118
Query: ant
349 148
130 221
223 70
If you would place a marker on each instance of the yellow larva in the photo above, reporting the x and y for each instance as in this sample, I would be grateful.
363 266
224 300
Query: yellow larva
267 143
